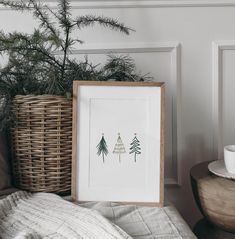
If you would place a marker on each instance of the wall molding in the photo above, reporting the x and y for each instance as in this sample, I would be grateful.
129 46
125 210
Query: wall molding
175 87
101 4
86 4
217 74
138 47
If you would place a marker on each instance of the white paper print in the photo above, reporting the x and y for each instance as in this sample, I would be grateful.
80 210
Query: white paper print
103 113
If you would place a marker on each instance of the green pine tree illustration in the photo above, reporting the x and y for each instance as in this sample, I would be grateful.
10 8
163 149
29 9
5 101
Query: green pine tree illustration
102 148
135 147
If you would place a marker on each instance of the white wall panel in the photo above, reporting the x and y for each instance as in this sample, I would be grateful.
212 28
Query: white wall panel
195 25
224 97
160 61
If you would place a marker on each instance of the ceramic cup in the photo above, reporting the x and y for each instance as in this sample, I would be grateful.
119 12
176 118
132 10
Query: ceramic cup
229 158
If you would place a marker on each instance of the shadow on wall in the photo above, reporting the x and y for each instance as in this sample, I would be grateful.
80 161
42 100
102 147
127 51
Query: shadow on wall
194 153
5 176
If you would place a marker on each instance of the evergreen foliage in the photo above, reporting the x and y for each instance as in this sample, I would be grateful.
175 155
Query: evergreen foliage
33 66
135 147
102 148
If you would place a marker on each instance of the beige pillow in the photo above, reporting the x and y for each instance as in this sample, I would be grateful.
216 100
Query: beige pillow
4 164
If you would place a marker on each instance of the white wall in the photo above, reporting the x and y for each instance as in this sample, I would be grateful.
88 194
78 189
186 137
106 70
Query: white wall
173 41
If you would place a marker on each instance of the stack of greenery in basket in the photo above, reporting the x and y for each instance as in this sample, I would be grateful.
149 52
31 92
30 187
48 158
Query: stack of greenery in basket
33 66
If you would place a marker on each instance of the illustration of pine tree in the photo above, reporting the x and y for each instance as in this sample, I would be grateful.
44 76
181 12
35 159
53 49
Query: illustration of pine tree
102 148
135 147
119 148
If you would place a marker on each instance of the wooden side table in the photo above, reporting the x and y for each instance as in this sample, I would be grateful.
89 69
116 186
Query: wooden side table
215 197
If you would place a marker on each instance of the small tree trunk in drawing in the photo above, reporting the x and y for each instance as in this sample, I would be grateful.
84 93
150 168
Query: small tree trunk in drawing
119 148
102 148
135 147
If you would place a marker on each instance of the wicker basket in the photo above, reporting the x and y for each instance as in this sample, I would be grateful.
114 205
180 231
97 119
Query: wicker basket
42 143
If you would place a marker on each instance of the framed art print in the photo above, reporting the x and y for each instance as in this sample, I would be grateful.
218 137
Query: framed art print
118 142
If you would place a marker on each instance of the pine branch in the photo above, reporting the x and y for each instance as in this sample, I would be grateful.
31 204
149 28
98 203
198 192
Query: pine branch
36 38
38 13
33 67
52 12
66 24
25 45
122 68
47 57
42 15
65 49
17 5
56 17
64 14
89 20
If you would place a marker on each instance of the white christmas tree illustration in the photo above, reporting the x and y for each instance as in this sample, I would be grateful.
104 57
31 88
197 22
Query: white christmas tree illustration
119 147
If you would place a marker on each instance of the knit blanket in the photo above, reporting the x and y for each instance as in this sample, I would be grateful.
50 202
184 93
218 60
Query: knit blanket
43 215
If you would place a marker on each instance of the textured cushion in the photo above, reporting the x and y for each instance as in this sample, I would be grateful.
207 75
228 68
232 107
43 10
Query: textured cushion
145 222
4 164
44 215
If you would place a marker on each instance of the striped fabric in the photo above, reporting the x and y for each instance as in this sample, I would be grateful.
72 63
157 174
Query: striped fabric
145 222
43 215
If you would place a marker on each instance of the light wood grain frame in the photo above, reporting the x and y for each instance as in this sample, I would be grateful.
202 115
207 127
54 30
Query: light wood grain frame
76 87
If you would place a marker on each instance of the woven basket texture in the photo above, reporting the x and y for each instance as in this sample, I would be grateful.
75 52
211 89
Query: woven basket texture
42 143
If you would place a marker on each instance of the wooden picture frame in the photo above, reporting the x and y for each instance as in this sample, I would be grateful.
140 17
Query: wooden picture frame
93 96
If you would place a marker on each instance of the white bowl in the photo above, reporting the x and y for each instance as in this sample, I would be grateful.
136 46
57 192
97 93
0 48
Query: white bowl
229 158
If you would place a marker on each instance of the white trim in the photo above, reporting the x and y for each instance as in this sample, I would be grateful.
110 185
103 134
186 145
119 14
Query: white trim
217 53
216 64
176 102
174 49
101 4
126 48
86 4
